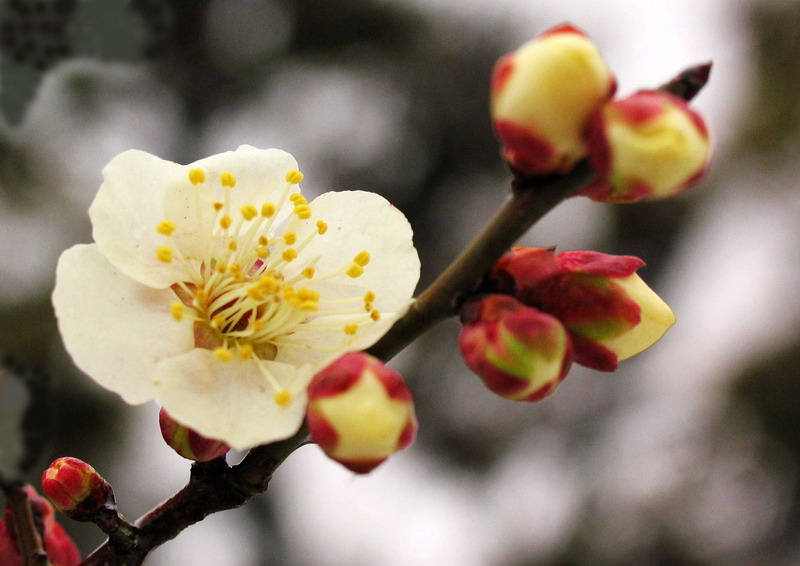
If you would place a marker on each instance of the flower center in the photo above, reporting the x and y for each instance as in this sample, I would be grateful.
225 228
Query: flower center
249 289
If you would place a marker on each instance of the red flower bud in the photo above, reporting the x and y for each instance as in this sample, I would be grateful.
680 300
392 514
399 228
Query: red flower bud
610 312
188 443
543 94
60 549
360 412
519 352
650 145
76 489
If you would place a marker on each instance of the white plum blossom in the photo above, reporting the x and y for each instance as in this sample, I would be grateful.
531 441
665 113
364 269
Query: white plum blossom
216 289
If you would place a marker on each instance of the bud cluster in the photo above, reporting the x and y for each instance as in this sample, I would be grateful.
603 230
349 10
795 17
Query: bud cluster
547 310
551 103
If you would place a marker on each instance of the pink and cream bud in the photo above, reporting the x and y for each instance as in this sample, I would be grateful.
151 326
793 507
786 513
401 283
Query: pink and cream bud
60 549
542 96
524 272
650 145
610 312
188 443
518 351
76 489
360 412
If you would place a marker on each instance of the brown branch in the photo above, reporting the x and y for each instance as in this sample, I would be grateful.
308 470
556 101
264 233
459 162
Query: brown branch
214 486
28 538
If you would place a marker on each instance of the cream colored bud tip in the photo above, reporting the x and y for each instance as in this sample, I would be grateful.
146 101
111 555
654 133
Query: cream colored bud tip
283 398
294 176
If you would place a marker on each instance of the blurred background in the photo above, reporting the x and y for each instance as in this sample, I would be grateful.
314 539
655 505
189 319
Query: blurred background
687 455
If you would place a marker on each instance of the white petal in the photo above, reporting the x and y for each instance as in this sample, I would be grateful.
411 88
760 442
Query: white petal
260 175
357 221
126 211
232 401
115 329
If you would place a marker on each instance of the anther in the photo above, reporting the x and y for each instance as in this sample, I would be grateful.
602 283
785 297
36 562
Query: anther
197 176
354 271
289 238
218 206
308 272
263 241
302 211
176 310
294 176
369 297
362 258
249 212
245 352
322 227
227 179
225 222
262 252
375 315
223 354
289 254
267 210
283 397
165 228
233 245
350 329
163 253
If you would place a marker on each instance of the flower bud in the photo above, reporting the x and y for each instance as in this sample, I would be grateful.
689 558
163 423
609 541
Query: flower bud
542 96
188 443
76 489
650 145
610 312
60 549
519 352
360 412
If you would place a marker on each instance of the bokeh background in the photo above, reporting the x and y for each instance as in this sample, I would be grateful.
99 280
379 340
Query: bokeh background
687 455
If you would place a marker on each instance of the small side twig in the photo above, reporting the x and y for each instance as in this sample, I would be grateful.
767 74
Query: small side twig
29 540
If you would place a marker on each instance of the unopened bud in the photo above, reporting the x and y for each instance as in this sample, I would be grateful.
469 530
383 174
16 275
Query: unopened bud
524 272
360 412
519 352
188 443
76 489
542 96
610 312
650 145
60 549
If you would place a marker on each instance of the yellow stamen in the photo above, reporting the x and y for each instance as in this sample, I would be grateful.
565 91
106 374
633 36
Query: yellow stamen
289 254
197 176
218 206
249 212
233 245
369 297
227 179
283 398
262 252
294 176
303 211
322 227
245 352
176 309
267 210
308 272
375 315
163 253
263 241
350 329
289 238
225 222
223 354
165 227
355 270
362 258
